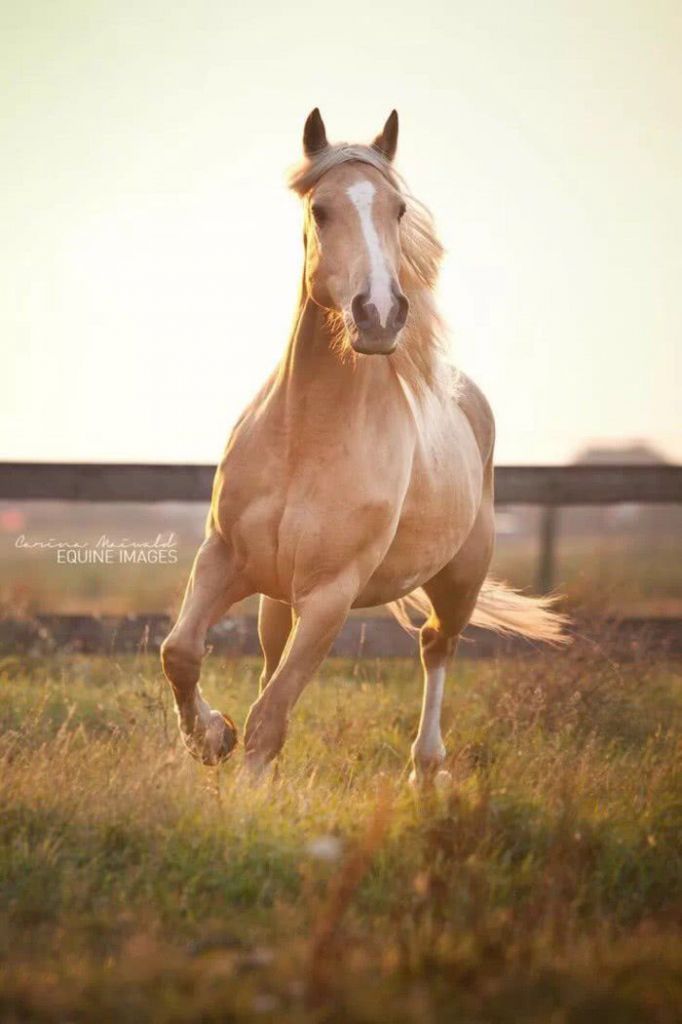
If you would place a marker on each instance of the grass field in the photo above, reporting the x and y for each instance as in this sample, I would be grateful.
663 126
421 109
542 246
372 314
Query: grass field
543 886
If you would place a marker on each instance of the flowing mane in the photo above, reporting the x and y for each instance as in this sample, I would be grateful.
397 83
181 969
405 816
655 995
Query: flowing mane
422 357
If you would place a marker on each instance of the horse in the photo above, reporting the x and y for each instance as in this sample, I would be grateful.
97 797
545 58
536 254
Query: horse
360 475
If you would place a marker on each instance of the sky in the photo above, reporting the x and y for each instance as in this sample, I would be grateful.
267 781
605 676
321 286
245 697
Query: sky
150 253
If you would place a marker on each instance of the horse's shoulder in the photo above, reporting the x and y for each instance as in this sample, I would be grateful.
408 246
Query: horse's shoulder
476 408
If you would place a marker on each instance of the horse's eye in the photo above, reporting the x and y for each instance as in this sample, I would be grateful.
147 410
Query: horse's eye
401 211
319 213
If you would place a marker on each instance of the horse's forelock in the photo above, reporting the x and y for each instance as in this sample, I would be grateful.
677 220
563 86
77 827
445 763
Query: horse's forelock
306 175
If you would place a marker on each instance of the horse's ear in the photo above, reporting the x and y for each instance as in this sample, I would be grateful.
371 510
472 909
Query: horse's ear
387 141
314 134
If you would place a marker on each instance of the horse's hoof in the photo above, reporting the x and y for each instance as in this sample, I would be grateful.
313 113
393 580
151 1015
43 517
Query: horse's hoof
443 779
228 738
217 743
256 773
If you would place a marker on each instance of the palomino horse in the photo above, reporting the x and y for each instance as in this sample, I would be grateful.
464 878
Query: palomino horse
361 472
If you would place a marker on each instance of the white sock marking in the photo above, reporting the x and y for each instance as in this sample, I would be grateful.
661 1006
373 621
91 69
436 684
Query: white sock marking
429 743
380 293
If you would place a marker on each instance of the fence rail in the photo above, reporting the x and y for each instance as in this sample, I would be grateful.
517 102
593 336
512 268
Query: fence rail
514 485
547 486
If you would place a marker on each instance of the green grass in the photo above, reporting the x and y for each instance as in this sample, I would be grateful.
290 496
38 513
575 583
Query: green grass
542 887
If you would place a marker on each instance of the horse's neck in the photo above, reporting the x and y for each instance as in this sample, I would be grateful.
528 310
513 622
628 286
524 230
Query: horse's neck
310 346
315 375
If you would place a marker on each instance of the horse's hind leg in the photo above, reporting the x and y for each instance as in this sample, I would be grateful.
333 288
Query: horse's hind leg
428 750
212 587
453 593
274 626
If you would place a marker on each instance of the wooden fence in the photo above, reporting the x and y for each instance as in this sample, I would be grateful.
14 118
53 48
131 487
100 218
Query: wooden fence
547 486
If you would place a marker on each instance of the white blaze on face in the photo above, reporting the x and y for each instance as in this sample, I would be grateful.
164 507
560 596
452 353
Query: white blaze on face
380 292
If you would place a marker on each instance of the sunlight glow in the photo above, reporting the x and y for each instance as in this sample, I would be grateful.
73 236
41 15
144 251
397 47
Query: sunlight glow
152 254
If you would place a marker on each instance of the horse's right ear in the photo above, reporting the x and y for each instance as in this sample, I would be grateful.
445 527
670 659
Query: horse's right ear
314 134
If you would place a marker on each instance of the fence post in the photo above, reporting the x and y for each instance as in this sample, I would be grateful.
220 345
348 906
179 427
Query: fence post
549 516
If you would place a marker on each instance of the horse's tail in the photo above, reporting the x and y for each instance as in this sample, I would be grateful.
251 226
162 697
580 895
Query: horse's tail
500 608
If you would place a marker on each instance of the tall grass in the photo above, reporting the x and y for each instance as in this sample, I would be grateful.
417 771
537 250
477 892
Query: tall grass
542 886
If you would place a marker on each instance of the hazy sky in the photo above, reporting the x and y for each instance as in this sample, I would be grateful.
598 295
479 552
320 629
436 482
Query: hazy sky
150 253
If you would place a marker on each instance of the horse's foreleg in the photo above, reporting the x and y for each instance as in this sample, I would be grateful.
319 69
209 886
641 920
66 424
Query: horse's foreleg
317 622
274 626
212 587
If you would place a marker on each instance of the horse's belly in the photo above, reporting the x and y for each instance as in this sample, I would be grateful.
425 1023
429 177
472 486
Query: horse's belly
412 560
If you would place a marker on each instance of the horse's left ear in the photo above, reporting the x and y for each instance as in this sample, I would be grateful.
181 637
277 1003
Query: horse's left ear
387 141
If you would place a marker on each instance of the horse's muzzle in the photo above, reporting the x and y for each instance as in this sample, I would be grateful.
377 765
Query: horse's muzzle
371 337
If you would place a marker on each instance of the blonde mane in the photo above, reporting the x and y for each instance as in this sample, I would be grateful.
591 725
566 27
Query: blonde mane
421 356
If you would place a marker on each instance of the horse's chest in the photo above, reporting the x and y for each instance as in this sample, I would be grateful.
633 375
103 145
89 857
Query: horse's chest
375 503
290 522
248 498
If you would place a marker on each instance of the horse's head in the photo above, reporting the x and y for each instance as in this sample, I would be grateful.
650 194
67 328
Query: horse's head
352 230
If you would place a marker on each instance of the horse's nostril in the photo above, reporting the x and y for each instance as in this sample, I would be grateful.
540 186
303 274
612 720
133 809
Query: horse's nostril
400 315
361 312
